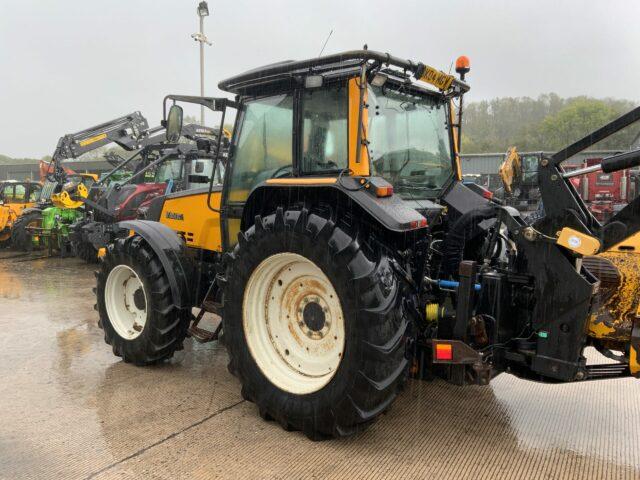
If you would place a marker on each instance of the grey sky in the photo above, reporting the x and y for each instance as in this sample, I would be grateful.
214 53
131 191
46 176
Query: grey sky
68 64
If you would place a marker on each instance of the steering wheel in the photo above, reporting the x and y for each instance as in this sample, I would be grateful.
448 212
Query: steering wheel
280 170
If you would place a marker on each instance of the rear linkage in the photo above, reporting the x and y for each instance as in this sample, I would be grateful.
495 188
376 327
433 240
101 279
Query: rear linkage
523 275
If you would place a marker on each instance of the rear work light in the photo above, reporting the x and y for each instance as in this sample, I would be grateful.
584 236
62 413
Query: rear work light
418 223
384 191
444 351
377 186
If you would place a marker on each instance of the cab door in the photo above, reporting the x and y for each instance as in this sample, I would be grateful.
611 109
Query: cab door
262 148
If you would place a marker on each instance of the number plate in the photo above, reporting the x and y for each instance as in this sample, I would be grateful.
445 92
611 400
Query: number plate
437 78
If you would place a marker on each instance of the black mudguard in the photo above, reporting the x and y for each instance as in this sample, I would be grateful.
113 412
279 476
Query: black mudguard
169 247
393 213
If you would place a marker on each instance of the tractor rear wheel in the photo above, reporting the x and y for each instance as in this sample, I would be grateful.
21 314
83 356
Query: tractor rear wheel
85 251
21 239
135 304
314 324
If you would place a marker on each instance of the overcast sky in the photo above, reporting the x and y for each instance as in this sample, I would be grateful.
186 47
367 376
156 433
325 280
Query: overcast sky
68 64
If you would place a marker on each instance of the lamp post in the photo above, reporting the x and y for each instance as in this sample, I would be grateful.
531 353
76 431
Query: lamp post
200 37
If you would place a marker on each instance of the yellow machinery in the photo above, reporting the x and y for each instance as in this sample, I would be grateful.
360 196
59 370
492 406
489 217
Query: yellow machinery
15 196
343 251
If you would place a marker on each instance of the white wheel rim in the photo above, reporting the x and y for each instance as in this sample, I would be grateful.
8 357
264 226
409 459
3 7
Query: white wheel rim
127 313
293 323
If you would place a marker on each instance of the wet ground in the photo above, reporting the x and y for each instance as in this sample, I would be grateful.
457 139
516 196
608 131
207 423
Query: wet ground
70 409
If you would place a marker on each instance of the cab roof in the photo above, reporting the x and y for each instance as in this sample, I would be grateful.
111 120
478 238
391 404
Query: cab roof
339 64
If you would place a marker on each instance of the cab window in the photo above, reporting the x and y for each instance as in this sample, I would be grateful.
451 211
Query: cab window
6 193
324 130
20 193
169 170
264 145
34 194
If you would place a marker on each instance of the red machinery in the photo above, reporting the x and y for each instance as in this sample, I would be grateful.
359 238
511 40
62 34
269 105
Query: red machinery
606 193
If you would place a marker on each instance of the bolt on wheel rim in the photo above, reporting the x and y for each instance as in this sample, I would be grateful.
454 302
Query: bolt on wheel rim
293 323
126 302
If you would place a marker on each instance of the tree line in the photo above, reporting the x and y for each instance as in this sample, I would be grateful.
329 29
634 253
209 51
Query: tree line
547 123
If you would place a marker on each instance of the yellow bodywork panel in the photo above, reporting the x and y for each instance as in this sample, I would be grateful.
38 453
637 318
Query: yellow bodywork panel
189 216
578 242
361 168
233 228
455 132
302 181
634 366
9 212
628 245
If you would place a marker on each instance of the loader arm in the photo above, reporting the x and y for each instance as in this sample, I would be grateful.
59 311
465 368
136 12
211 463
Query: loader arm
130 132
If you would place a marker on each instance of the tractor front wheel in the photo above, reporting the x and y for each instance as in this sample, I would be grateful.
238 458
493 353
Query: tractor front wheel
314 324
21 238
135 304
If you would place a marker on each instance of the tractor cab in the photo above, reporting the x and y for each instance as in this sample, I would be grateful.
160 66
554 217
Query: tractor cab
358 121
17 192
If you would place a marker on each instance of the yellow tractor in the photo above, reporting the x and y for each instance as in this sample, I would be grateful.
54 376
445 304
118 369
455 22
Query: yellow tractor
344 253
15 196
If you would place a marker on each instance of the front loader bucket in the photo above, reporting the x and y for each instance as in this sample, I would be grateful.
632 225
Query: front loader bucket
615 324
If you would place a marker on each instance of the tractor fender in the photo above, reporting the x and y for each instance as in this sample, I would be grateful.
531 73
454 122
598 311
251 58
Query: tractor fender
392 213
30 210
169 248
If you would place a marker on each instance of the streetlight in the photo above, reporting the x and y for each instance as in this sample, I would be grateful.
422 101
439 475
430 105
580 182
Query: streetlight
203 11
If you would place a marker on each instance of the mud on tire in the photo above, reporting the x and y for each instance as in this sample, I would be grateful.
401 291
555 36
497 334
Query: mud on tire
166 325
374 363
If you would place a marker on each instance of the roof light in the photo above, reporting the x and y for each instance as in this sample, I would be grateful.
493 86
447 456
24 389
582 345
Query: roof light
463 65
379 79
313 81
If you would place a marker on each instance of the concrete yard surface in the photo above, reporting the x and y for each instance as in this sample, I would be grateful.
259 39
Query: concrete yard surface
70 409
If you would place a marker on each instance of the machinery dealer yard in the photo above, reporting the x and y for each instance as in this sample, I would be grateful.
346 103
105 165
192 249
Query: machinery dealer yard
70 409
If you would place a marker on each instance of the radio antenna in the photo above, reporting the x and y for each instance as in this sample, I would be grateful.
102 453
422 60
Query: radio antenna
325 42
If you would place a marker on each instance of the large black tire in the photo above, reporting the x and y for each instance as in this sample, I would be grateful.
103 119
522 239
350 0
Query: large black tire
20 237
374 363
85 251
166 325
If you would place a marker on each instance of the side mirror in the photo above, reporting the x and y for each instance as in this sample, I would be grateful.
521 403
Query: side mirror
174 124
